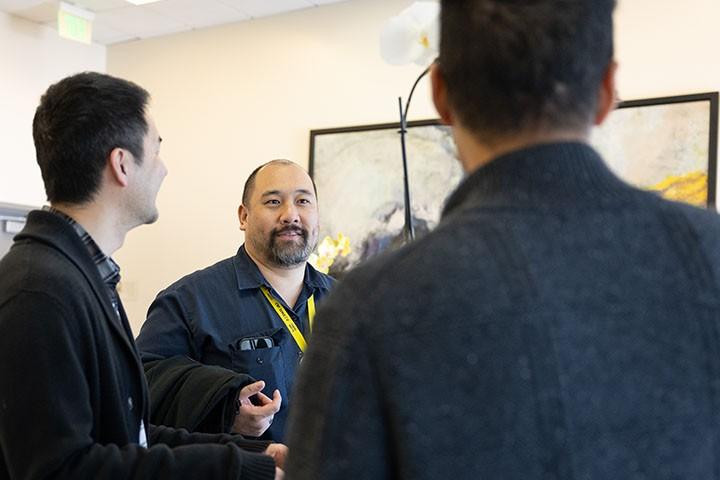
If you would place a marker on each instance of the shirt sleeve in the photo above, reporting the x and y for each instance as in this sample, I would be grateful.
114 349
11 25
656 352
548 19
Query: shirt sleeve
47 418
167 331
175 437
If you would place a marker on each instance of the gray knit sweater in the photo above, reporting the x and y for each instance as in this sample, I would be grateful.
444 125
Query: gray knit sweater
558 324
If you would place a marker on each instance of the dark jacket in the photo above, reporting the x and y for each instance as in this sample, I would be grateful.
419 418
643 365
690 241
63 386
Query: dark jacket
72 389
557 324
205 316
187 394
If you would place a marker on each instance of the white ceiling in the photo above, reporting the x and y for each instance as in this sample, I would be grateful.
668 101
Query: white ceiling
119 21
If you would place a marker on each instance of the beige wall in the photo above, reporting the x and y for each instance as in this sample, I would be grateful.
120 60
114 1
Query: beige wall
32 57
666 47
229 98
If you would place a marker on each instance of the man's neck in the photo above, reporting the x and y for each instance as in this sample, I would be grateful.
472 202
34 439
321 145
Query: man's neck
475 154
101 223
287 281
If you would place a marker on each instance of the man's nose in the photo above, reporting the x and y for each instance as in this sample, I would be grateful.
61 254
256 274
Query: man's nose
290 214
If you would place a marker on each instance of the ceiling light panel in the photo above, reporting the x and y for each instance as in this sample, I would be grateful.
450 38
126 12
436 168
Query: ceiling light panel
142 2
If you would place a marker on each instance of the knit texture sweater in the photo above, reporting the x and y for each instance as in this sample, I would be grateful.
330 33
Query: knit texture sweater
558 324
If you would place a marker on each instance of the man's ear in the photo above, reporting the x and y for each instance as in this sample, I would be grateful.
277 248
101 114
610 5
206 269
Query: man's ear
242 216
439 94
607 95
118 160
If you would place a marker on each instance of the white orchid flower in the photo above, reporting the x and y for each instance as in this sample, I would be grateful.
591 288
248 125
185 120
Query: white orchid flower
412 35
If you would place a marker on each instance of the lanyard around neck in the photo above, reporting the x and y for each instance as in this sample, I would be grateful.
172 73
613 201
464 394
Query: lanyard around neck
287 319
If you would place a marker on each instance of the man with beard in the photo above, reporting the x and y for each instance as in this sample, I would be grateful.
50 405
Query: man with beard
248 317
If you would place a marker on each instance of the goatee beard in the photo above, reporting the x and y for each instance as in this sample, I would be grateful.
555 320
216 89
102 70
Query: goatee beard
291 254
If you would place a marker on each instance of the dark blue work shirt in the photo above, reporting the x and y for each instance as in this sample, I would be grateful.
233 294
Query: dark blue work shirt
207 314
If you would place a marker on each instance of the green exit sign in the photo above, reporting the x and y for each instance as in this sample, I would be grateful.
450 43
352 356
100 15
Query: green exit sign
75 23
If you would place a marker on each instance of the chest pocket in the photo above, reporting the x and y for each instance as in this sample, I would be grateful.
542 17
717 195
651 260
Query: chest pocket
265 361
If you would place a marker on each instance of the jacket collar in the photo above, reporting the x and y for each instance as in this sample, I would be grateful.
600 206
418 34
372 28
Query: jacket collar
54 231
248 275
544 175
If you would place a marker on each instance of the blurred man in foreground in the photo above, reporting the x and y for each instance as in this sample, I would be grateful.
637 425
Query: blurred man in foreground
557 324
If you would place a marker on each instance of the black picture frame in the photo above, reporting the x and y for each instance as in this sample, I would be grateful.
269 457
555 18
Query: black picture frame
377 146
673 126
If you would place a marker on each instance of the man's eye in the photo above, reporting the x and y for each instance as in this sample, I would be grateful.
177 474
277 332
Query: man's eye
304 201
272 202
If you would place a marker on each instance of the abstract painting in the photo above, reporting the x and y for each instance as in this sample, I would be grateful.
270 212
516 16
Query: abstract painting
359 177
667 144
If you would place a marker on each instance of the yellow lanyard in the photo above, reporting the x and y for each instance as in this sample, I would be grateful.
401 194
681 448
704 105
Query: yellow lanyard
311 310
287 319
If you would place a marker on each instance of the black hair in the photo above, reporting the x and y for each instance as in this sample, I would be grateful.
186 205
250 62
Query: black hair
522 65
79 121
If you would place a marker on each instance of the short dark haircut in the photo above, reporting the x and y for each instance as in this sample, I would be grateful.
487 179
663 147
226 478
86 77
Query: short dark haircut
524 65
79 121
250 182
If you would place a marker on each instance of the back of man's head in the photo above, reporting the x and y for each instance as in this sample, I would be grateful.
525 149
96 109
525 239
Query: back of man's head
79 121
514 66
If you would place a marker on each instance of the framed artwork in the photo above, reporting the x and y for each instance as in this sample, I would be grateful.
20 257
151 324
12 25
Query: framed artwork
359 177
666 144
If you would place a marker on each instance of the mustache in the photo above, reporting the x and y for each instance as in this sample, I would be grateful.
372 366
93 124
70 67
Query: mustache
290 229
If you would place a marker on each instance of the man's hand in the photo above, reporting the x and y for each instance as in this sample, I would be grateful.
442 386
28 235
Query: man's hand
278 452
253 420
279 474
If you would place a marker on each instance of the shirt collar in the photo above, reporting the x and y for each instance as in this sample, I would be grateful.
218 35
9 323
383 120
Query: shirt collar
109 270
248 274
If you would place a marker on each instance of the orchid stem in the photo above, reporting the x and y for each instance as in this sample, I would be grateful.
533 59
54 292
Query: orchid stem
408 229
